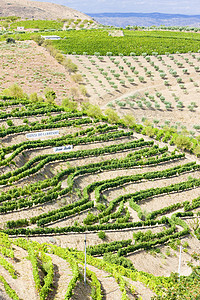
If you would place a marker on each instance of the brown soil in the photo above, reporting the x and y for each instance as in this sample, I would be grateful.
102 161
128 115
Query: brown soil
164 263
24 285
110 288
62 277
34 69
102 93
39 10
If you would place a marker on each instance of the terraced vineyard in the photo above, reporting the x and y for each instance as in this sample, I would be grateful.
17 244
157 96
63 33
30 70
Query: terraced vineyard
64 175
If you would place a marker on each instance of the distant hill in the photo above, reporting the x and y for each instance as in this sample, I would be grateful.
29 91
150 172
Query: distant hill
146 19
38 10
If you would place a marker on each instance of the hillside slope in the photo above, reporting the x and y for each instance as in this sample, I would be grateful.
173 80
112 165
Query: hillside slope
38 10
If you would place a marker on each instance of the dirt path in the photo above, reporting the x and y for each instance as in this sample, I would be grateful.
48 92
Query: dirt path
81 291
62 277
141 289
83 181
24 285
113 193
110 288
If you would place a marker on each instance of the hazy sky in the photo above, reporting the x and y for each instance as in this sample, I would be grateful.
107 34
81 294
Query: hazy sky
146 6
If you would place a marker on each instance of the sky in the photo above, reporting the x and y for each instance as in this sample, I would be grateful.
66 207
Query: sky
189 7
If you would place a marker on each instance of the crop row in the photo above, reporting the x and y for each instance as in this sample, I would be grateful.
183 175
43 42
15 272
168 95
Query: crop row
24 128
66 210
67 139
26 170
54 193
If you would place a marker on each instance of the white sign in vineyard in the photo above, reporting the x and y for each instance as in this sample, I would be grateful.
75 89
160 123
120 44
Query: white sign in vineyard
63 148
41 134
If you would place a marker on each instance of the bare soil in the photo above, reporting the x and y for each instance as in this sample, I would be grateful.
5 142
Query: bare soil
102 93
39 10
34 69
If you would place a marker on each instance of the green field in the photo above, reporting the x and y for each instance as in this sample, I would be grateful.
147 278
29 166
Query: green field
98 41
133 41
37 24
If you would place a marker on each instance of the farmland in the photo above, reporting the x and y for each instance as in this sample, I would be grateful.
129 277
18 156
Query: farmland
137 42
125 176
160 88
105 183
98 40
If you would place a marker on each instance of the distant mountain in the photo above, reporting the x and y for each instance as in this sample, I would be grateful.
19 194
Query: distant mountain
146 19
38 10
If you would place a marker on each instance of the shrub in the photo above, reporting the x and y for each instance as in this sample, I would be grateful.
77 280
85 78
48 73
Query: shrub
14 91
50 95
129 120
77 78
9 122
183 142
70 66
102 235
112 115
83 90
69 105
38 39
60 58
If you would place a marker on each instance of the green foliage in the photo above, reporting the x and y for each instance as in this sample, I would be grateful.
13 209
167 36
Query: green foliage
50 96
183 142
133 41
14 91
112 115
122 261
102 235
10 292
34 97
8 266
94 111
106 215
10 41
38 24
129 120
69 105
38 39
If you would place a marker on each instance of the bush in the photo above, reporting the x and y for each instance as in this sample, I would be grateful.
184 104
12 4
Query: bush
77 78
112 115
70 66
94 111
14 91
69 105
183 142
39 40
50 95
9 122
59 57
102 235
